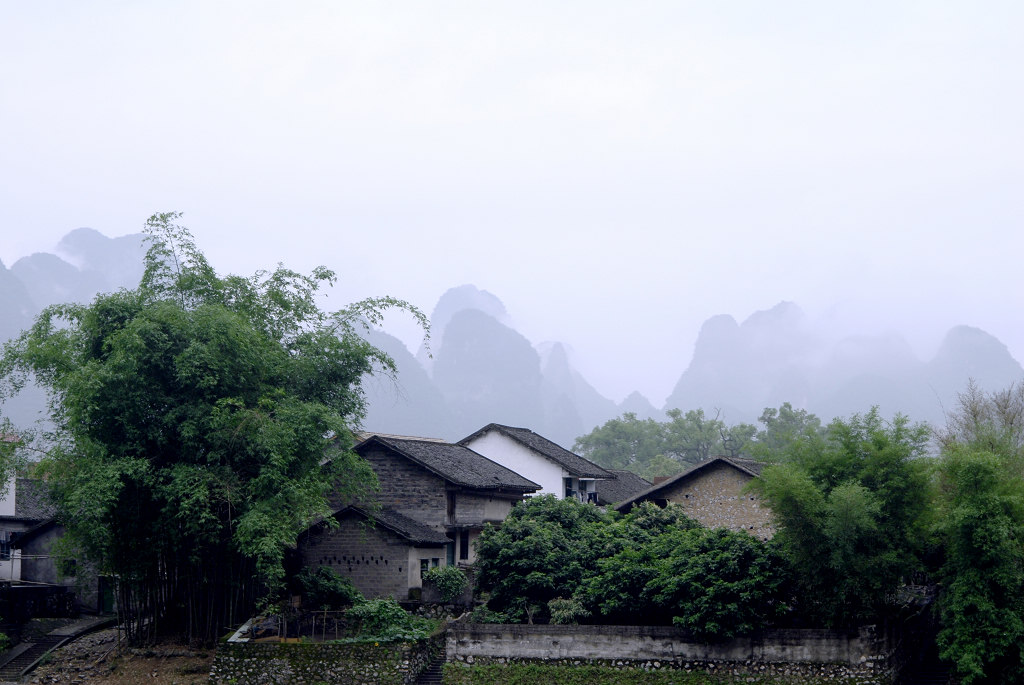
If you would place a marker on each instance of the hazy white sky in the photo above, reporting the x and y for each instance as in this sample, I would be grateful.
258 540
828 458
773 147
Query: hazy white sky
614 172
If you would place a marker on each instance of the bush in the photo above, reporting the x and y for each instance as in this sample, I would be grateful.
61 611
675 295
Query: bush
451 581
385 619
323 588
482 614
566 611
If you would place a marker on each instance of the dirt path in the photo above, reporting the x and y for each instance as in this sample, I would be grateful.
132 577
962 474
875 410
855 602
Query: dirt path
96 658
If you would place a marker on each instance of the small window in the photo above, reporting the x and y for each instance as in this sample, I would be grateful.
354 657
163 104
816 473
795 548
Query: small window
424 567
435 562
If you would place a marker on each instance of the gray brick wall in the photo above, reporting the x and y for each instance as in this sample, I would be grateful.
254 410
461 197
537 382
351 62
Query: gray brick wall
409 489
373 557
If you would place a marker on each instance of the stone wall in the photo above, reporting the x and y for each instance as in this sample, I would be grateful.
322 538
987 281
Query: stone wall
368 663
796 656
714 496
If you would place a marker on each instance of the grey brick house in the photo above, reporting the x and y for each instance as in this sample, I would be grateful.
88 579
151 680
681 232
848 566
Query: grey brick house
434 499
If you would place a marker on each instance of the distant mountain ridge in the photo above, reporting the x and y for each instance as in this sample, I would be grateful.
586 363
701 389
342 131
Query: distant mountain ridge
483 370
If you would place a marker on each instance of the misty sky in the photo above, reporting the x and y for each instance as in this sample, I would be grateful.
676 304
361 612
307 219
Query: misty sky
616 173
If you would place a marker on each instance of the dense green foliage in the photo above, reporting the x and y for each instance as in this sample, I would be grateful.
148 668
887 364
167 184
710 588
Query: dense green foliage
651 566
543 550
850 507
981 527
192 416
451 581
384 619
651 448
323 588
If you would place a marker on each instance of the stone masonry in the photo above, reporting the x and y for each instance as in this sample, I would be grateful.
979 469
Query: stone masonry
715 497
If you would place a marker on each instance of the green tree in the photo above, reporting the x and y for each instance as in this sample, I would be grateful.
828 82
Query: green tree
191 420
623 443
979 504
982 600
692 437
719 583
636 545
651 448
542 551
851 511
786 432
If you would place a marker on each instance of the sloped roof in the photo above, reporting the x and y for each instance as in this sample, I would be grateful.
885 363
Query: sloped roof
749 466
410 529
571 462
455 463
31 500
622 487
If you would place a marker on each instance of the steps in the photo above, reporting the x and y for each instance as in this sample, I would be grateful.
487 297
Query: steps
24 660
431 675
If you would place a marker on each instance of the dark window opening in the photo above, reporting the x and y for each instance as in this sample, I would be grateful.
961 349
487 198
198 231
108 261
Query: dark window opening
464 545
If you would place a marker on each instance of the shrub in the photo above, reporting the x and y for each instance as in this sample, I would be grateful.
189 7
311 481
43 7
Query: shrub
451 581
566 611
323 588
385 619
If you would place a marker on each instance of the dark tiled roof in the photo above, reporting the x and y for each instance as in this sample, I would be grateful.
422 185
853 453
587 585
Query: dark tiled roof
573 463
31 500
749 466
622 487
455 463
410 529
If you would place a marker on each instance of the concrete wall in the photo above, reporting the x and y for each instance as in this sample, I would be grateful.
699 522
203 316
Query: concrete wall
39 565
861 657
524 461
714 496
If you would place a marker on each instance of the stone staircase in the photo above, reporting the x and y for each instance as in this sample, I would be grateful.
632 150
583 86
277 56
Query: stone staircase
431 675
18 661
25 656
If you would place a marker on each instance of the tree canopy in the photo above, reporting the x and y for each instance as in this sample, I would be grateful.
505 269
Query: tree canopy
850 510
192 416
979 522
664 448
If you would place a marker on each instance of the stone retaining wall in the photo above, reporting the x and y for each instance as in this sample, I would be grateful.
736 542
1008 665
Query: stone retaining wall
310 663
797 656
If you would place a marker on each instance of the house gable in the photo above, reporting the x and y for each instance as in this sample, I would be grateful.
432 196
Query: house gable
381 554
555 468
713 493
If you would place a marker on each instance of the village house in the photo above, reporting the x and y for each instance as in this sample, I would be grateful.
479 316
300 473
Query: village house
435 498
23 506
558 471
622 487
714 493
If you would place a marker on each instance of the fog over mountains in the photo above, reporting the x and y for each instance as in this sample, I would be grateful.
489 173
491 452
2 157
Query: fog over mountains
480 369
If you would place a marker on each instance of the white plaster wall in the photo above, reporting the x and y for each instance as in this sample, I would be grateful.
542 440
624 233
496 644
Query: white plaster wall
10 569
418 553
7 504
496 510
522 460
